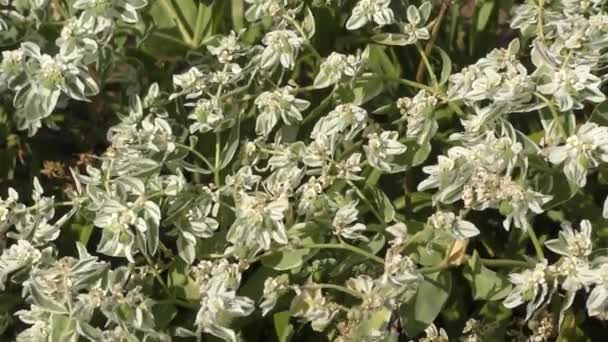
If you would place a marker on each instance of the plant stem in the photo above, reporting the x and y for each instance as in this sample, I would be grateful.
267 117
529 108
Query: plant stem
196 153
198 29
183 30
503 263
431 42
428 67
303 34
537 246
216 169
554 112
344 246
366 201
406 82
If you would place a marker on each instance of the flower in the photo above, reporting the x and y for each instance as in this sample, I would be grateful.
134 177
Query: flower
571 243
336 66
259 221
344 116
445 221
16 257
382 149
126 10
273 289
344 219
208 115
310 304
275 105
281 47
366 11
582 151
434 335
414 29
529 286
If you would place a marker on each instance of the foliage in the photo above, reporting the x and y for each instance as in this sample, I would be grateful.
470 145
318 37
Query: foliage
345 170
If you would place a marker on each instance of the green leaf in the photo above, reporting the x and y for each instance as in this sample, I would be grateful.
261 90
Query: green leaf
286 260
365 90
483 16
422 153
62 328
426 305
570 331
446 66
485 283
600 114
381 202
376 321
394 39
180 284
308 25
282 327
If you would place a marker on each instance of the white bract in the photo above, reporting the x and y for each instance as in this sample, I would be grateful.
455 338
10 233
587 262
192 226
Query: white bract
377 11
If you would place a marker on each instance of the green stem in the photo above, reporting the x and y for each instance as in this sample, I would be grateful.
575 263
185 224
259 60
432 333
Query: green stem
196 153
335 287
435 269
216 169
503 263
434 33
562 130
344 246
537 246
540 27
183 30
406 82
319 110
198 29
366 201
428 66
303 34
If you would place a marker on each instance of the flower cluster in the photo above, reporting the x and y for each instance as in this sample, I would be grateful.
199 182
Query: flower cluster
256 176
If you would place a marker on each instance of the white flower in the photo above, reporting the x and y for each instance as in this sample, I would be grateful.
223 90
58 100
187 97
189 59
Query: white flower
399 231
572 243
434 335
13 64
191 82
310 304
18 256
226 48
218 306
282 47
418 113
529 286
336 66
400 271
344 116
125 10
382 149
568 84
457 227
367 11
259 221
208 114
274 288
414 29
344 222
582 151
279 104
597 302
259 9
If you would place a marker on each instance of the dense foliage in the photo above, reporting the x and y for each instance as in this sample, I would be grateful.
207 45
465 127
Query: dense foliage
288 170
